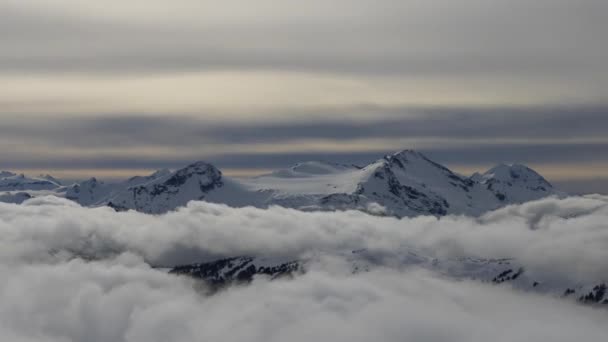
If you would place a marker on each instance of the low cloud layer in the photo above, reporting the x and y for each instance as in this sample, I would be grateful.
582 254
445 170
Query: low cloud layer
48 295
98 302
565 238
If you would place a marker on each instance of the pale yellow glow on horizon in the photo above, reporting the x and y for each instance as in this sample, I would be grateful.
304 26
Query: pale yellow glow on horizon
308 145
552 172
233 95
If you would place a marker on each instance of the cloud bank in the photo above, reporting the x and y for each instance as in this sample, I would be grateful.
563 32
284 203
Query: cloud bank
99 302
80 274
563 237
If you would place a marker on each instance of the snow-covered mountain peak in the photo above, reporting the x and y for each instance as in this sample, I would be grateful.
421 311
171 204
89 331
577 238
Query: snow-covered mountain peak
515 182
51 179
403 157
89 192
415 159
511 172
409 156
418 167
139 180
406 183
406 154
10 181
169 191
204 171
161 173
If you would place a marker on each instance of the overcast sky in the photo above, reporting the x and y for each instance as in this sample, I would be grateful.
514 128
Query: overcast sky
114 88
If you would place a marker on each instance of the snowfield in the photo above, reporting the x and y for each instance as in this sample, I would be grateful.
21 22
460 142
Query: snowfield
525 272
405 183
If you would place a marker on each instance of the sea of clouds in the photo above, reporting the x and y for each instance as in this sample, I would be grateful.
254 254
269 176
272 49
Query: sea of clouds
87 274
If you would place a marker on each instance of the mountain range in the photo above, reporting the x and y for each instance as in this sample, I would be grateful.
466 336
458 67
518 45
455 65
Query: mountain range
406 183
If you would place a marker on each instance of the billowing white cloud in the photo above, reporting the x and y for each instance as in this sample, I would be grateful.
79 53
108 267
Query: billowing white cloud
123 300
563 237
48 295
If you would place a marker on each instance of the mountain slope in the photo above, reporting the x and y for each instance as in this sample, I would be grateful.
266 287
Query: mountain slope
13 182
90 192
405 183
198 181
93 192
515 183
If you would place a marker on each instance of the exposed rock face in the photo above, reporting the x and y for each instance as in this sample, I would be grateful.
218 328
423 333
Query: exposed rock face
223 272
171 191
217 274
597 295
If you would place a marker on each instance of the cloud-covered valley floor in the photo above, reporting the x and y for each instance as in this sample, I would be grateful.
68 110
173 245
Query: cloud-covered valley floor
90 274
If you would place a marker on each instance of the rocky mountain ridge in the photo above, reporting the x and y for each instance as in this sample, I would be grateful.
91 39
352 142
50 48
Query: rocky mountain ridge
406 183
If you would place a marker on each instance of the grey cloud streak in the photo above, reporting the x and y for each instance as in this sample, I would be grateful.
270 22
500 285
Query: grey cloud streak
546 38
531 124
464 136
